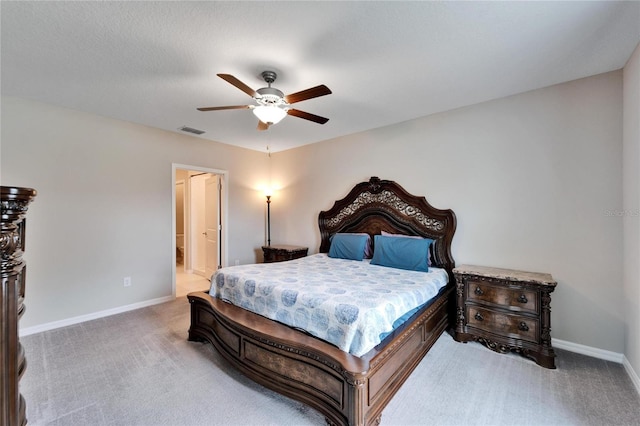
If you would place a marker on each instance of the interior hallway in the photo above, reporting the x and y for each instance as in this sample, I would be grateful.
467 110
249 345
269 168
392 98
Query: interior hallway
188 282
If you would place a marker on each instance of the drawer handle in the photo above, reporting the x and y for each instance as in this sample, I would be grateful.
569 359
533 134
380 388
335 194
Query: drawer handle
479 291
523 326
478 316
523 299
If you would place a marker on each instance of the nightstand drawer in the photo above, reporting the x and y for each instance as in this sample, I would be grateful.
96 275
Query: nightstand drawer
514 299
514 326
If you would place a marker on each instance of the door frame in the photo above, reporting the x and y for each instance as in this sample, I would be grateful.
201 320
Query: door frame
223 242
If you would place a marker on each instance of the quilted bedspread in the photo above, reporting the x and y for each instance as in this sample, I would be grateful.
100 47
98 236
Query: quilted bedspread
344 302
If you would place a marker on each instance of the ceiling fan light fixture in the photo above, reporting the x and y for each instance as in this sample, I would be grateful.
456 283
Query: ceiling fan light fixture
269 114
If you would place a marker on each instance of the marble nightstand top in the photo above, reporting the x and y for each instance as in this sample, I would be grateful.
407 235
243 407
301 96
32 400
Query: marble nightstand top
506 274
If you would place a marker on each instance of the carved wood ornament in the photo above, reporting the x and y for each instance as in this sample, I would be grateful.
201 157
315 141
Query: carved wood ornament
13 206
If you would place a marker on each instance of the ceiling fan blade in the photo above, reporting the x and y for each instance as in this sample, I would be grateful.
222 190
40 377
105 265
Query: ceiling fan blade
262 125
303 95
307 116
224 107
240 85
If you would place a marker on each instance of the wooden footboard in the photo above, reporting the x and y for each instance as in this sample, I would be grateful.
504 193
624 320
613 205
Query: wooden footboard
348 390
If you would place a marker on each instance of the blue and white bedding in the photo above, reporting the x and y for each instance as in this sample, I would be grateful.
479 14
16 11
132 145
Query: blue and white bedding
345 302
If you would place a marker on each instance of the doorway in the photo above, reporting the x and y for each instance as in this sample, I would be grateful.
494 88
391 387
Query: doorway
199 225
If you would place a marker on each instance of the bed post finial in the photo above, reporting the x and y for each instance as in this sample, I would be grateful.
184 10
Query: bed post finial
374 183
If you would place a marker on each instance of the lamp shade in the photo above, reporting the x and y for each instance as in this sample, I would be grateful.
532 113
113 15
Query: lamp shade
269 114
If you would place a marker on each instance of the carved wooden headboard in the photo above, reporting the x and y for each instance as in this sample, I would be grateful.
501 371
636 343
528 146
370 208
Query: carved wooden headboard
383 205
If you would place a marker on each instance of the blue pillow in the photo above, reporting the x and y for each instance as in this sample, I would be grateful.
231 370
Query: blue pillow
429 262
401 253
368 247
348 246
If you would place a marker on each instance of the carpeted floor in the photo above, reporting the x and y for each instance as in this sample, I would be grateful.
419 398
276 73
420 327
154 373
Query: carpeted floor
137 368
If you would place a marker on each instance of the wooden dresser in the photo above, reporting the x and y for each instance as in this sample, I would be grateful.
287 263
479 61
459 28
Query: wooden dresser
282 252
14 203
505 310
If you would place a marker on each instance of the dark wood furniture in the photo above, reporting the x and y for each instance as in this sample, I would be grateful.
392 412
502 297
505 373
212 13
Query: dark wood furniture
14 202
282 252
506 310
348 390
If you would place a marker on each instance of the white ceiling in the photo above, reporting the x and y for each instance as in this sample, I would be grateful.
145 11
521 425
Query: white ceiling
153 63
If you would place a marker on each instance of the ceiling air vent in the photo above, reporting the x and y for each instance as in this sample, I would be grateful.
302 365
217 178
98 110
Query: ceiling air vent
191 130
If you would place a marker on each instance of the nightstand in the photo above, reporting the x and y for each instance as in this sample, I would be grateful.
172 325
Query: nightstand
282 252
505 310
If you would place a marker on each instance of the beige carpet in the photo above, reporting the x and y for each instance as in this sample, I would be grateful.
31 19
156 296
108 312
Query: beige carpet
138 368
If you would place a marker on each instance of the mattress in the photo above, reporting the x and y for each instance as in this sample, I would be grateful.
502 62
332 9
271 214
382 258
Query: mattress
350 304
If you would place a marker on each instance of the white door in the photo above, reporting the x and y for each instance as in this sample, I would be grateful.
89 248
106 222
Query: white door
212 224
198 224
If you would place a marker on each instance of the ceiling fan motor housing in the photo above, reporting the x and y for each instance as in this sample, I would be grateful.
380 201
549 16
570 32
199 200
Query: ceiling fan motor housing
270 96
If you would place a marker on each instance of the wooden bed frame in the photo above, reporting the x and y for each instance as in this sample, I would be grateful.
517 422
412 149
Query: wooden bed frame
348 390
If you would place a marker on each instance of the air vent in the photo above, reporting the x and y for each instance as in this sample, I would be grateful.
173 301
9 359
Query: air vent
191 130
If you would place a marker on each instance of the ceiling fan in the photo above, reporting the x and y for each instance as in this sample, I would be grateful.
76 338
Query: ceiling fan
271 104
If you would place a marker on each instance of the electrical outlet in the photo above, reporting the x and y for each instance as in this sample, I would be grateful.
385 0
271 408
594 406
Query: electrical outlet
127 281
237 262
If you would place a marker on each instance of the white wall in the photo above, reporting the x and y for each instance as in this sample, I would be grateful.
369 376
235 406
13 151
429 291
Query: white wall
631 209
531 178
104 209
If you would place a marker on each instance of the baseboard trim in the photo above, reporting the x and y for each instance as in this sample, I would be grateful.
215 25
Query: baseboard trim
101 314
587 350
632 374
600 354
